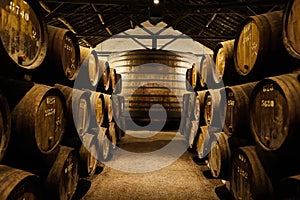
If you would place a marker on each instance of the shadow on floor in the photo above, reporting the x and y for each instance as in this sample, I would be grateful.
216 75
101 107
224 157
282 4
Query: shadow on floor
223 193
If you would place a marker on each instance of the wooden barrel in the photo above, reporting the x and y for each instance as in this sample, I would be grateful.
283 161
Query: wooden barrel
108 110
275 116
19 184
207 65
224 70
204 141
5 125
248 177
112 134
85 52
192 134
38 122
185 104
219 158
78 109
156 77
104 146
236 114
62 60
23 36
97 102
89 72
196 77
88 155
291 28
200 98
117 106
212 108
104 81
118 87
259 49
61 182
188 76
112 80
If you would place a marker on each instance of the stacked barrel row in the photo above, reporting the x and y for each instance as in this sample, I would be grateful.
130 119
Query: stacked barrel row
153 82
254 145
51 132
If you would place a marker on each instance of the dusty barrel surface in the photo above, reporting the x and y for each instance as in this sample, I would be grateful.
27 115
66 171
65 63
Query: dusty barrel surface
275 112
19 184
156 77
237 111
38 121
78 109
248 177
62 179
5 125
224 70
259 49
23 37
291 28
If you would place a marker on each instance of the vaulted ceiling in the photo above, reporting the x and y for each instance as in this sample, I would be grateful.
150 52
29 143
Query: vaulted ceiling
206 21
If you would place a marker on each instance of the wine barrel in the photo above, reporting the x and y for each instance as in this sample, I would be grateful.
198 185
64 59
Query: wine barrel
61 182
108 110
112 80
237 110
112 134
97 102
205 140
156 77
207 65
291 28
23 36
5 125
213 104
117 106
104 81
248 178
85 52
224 70
219 158
118 87
188 76
88 155
196 77
89 72
258 50
19 184
104 146
275 116
200 98
192 134
78 109
38 122
63 57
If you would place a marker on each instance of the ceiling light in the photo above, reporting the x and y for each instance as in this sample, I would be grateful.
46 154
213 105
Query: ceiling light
156 1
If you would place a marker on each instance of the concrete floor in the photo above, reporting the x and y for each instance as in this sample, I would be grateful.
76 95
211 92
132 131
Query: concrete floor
183 179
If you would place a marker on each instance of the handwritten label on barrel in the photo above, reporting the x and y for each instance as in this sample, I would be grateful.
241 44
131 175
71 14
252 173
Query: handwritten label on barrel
268 88
267 103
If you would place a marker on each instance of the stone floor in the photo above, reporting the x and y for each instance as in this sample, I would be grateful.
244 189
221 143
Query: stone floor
182 179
